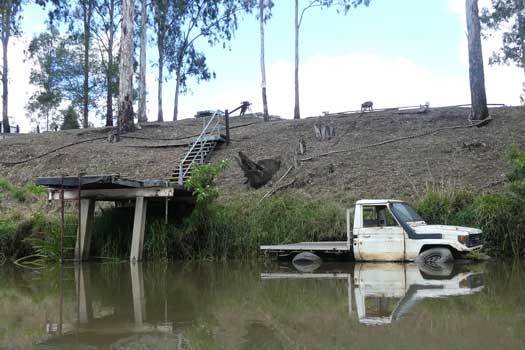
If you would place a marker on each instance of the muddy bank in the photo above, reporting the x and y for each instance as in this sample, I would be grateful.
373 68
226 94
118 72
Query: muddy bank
463 158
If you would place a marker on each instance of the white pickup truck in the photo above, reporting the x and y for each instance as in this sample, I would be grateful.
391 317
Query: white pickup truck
391 230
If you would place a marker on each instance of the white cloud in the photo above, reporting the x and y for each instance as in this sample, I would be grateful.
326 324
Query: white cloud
342 83
19 88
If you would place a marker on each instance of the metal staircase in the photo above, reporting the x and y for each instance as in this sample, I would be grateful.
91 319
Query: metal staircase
200 148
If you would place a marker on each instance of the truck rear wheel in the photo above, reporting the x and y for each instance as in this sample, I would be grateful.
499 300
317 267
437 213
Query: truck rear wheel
435 256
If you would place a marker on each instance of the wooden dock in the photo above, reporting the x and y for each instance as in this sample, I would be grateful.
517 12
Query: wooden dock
87 190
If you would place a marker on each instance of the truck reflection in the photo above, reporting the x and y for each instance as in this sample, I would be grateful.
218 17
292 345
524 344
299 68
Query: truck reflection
385 292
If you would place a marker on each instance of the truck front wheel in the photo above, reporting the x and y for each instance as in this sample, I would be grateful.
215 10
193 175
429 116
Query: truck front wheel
434 256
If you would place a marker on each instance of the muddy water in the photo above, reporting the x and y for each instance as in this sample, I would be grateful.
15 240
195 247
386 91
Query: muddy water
263 306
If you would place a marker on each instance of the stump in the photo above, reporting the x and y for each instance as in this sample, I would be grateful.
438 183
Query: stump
324 130
258 173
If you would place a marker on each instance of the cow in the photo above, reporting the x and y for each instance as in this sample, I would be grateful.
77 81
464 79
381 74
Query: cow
367 106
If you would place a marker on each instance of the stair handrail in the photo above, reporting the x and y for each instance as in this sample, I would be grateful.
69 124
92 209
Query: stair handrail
199 139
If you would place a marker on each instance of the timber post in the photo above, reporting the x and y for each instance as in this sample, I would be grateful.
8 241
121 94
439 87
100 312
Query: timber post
227 125
85 229
139 226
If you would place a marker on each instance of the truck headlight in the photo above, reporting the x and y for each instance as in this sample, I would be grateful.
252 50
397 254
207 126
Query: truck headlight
463 239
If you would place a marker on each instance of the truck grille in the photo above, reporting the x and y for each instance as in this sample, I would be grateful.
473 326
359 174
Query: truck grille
474 240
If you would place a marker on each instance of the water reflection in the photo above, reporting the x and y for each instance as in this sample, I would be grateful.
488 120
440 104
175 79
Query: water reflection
254 306
385 292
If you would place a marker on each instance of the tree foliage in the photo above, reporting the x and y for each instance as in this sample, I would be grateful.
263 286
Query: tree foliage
106 25
507 16
202 181
48 54
212 20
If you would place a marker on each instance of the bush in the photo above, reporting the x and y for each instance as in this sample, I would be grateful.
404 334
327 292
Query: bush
499 215
70 119
238 228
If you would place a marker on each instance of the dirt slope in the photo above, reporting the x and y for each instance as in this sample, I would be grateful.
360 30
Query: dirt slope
392 170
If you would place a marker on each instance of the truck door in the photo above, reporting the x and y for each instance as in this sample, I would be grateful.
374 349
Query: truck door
380 238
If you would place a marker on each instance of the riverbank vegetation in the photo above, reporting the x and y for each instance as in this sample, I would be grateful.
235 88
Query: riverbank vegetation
236 228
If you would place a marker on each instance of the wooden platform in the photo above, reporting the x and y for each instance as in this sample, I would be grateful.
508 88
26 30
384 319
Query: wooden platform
89 189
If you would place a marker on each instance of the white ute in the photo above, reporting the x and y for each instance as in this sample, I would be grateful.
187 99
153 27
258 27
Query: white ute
391 230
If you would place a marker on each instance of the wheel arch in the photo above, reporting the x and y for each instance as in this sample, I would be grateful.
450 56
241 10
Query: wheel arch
453 250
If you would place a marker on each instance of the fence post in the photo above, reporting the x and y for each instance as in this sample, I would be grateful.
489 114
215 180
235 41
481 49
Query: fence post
227 122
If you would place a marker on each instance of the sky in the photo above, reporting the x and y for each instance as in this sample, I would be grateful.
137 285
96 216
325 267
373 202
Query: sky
394 53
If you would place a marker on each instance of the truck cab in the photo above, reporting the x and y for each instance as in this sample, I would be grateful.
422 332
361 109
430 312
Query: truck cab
391 230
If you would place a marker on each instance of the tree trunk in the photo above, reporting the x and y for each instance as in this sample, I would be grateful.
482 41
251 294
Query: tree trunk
263 68
477 76
296 112
177 89
125 117
160 47
6 32
160 44
109 71
142 88
86 7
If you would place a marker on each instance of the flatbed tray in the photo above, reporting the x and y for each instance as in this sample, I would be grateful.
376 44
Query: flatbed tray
339 246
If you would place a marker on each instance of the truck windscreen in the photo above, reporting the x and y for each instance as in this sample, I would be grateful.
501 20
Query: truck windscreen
405 213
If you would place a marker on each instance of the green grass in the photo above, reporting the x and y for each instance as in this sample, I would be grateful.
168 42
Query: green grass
222 231
499 215
20 194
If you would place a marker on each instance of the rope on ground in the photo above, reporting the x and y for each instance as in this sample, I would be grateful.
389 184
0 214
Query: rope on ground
179 138
275 189
472 123
159 146
9 163
52 151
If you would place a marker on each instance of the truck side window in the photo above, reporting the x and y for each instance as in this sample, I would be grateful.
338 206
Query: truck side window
370 217
377 216
385 217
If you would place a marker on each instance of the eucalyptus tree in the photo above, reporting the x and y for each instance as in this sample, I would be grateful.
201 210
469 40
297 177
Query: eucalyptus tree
125 114
10 26
108 17
476 71
142 58
265 7
162 20
212 20
342 5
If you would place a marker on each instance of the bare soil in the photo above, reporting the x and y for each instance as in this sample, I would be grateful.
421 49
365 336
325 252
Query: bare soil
471 158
